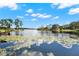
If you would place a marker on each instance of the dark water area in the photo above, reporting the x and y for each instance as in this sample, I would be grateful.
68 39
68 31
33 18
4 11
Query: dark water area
7 44
54 48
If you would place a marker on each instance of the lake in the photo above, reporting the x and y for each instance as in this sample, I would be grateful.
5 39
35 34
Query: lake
41 43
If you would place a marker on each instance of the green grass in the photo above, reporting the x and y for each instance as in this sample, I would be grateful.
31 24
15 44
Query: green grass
8 30
11 38
5 30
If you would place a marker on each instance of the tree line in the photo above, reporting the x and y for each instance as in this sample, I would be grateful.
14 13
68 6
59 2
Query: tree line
58 28
7 23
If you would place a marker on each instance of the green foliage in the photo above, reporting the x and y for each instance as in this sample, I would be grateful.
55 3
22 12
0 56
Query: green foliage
18 23
7 23
72 27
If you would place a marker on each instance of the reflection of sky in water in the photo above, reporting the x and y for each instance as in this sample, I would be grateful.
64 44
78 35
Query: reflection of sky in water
40 43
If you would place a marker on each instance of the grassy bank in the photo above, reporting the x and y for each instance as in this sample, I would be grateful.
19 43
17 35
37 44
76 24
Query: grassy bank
70 31
5 30
9 30
10 38
5 37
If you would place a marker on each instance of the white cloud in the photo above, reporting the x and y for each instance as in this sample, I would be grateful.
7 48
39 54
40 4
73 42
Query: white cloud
8 3
44 16
64 3
39 15
34 15
56 17
61 4
46 1
73 11
20 17
29 11
33 1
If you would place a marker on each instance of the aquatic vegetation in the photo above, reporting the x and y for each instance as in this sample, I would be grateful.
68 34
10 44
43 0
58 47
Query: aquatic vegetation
2 52
11 38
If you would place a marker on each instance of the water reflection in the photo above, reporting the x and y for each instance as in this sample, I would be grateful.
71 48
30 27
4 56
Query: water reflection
42 43
44 33
17 33
44 49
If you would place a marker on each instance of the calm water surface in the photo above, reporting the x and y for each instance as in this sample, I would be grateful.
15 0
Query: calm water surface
39 43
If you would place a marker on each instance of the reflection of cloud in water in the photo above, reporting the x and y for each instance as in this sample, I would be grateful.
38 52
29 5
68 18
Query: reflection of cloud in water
30 32
49 42
66 45
39 42
35 53
50 54
24 52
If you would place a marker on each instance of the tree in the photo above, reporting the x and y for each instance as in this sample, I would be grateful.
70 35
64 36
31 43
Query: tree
61 27
18 23
6 23
49 26
74 25
9 23
2 23
55 28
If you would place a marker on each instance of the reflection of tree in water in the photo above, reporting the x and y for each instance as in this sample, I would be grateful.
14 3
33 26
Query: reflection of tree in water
5 33
45 33
59 35
19 33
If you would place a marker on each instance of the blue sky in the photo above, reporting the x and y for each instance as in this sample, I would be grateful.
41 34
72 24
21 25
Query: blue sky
35 15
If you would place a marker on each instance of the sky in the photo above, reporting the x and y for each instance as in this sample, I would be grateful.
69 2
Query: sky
34 15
